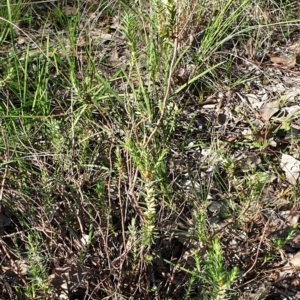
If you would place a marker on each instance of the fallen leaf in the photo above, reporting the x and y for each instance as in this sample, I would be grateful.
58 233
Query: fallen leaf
250 50
290 95
253 100
290 266
294 47
295 242
231 139
287 61
292 110
114 60
100 35
115 23
81 42
295 261
291 217
269 109
295 282
291 167
70 10
84 239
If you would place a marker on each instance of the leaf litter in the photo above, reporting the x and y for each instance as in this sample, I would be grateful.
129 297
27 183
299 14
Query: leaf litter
264 114
253 116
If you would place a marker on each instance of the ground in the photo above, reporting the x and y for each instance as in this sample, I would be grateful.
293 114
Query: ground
150 149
